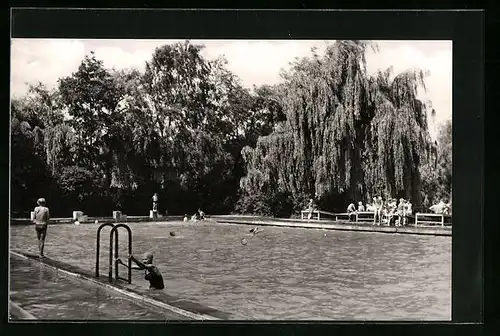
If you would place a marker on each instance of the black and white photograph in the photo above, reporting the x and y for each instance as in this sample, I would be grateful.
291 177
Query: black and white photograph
230 179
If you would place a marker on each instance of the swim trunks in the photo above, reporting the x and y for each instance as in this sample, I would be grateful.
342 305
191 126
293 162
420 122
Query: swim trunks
155 279
41 230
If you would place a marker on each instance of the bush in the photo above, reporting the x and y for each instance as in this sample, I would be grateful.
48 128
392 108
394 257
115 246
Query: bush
78 187
274 203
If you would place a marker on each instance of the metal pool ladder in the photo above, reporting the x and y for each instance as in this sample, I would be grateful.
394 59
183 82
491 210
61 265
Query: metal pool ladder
113 238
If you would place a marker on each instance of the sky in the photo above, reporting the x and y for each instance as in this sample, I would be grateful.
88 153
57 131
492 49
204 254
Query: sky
255 62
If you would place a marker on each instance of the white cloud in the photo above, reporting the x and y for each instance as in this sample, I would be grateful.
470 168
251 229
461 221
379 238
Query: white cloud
120 59
260 62
43 61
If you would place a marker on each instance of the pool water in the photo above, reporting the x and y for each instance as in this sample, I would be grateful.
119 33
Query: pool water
281 274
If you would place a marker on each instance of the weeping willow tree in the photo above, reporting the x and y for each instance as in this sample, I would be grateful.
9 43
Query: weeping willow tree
347 135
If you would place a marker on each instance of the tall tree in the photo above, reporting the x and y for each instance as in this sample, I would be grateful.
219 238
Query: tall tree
437 169
347 135
91 96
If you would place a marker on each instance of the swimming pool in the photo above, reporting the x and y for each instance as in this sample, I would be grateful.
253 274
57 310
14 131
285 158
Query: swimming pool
282 273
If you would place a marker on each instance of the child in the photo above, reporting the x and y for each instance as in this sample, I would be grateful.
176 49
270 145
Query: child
310 208
391 211
378 205
201 214
408 208
155 202
41 221
401 212
351 211
152 273
361 207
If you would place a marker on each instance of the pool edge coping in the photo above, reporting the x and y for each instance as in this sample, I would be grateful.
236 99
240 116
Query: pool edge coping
20 313
429 231
126 292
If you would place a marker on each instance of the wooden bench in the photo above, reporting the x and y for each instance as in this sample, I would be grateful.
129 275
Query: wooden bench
365 216
306 214
430 218
317 214
360 216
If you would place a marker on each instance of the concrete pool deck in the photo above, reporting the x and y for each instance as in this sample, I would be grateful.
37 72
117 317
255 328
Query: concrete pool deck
178 308
336 225
435 230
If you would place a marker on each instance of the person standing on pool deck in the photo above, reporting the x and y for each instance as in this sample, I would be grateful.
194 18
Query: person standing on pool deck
378 205
201 214
41 220
152 273
401 210
155 202
311 208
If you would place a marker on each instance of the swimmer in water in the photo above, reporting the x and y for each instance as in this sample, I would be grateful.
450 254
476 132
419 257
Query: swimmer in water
256 230
152 274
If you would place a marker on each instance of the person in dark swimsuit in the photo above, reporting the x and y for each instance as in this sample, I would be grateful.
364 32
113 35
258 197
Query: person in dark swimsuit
152 274
41 220
256 230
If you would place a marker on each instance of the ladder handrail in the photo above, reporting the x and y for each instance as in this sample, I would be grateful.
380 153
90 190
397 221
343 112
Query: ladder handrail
115 231
98 245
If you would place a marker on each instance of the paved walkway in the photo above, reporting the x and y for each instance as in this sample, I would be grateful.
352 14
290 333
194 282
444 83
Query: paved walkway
47 294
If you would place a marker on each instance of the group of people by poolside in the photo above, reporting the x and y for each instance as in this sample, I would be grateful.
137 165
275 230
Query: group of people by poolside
442 208
197 216
389 212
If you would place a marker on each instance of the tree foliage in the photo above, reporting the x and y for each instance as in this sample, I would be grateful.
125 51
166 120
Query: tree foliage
437 170
185 127
347 135
113 137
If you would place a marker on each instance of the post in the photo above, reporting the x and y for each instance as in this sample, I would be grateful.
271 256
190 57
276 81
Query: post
77 215
129 254
416 219
442 220
129 249
98 246
110 270
116 255
117 215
